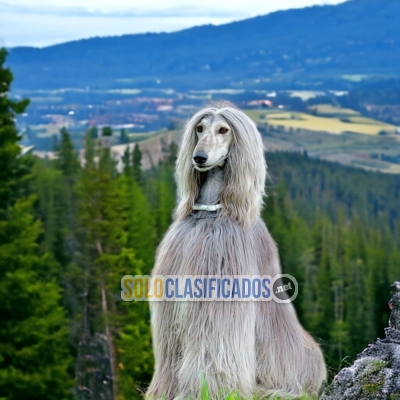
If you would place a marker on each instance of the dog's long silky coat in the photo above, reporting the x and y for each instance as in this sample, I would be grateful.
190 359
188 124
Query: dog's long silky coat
254 348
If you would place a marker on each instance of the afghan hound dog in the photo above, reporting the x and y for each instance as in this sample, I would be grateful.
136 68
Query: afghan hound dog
252 348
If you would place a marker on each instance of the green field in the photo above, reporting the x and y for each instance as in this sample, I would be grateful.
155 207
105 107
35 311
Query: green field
44 131
328 109
331 133
140 136
334 121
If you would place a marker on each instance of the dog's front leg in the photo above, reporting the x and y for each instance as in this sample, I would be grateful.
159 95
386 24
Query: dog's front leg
218 349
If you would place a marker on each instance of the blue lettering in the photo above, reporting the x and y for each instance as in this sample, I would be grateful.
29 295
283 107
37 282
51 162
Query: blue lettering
211 288
236 288
197 286
178 296
225 294
188 289
268 292
256 292
246 282
167 283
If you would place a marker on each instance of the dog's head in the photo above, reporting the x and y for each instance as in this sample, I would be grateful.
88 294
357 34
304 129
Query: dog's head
214 139
223 136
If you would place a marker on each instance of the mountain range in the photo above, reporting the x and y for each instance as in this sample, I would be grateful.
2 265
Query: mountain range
320 46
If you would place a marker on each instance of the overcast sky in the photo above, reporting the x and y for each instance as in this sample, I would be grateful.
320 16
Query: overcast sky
47 22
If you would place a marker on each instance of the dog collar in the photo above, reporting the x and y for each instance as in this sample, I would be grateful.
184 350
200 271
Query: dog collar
204 207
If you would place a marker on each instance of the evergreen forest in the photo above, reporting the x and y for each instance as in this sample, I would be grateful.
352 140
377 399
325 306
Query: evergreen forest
71 228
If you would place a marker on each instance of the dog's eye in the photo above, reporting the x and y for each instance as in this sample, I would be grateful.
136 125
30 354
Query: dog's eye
199 129
223 130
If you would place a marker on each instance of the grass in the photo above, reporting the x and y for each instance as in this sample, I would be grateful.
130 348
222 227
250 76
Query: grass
394 169
369 121
354 149
139 136
43 131
205 395
261 115
331 124
329 110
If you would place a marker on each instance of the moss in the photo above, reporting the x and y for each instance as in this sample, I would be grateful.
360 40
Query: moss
373 377
373 370
379 364
372 388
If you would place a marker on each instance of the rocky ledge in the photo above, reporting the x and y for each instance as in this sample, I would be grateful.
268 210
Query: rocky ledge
376 372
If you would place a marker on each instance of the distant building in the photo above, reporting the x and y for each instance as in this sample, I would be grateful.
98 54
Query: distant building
164 107
258 103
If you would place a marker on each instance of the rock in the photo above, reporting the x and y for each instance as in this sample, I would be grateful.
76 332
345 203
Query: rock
376 372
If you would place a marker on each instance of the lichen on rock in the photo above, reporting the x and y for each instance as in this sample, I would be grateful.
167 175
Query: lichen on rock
376 372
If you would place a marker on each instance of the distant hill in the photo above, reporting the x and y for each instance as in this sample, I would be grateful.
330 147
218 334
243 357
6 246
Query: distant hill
295 48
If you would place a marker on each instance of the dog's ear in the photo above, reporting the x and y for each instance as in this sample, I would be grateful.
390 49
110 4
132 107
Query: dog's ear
245 170
187 177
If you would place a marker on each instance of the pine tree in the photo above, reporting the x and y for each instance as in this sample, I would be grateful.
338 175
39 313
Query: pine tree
96 199
161 190
123 138
35 358
11 169
56 206
67 160
111 210
127 162
48 186
139 227
93 132
137 163
172 154
69 166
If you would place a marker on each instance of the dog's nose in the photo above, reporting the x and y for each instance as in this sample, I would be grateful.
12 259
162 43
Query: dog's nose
200 158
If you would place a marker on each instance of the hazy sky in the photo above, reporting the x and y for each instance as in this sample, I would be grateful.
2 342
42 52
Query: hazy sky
46 22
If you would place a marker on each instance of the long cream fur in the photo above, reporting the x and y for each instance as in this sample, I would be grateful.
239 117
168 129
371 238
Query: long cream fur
254 348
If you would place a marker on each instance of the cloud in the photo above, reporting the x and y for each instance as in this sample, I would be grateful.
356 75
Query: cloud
74 11
43 23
